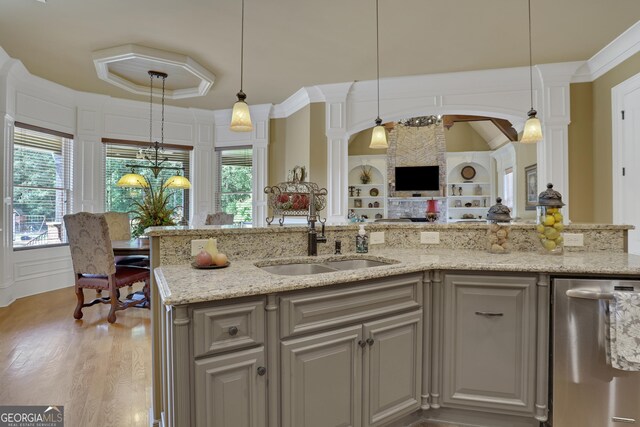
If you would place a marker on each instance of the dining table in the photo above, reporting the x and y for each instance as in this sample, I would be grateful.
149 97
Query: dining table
139 246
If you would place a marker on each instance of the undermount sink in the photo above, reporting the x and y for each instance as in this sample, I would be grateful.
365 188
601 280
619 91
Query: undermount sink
353 264
300 269
297 269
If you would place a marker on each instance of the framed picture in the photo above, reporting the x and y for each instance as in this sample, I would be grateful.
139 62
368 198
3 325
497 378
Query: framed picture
457 203
357 203
531 187
476 203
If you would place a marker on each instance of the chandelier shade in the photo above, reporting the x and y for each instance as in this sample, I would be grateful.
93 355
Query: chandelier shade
177 182
132 180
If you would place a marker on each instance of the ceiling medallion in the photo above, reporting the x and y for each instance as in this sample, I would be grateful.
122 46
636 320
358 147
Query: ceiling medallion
423 121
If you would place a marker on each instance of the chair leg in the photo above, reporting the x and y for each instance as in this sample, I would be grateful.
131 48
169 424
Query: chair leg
115 300
77 313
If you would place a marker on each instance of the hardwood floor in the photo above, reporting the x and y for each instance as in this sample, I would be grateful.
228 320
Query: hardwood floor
100 372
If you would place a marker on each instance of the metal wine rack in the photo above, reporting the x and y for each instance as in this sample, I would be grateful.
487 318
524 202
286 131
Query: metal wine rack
291 198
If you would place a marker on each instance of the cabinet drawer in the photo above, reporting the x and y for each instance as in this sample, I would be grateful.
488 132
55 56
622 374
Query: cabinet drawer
228 327
312 311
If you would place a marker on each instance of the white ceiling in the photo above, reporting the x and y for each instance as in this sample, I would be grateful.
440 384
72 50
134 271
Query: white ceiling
291 43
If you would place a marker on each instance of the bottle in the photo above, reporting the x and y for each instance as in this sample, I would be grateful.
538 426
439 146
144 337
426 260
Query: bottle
550 221
499 219
362 241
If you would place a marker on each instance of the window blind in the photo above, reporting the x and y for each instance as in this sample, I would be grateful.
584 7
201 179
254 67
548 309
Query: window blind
42 184
120 154
234 185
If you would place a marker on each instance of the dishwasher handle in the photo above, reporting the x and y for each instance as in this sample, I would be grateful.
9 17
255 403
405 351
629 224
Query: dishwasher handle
584 294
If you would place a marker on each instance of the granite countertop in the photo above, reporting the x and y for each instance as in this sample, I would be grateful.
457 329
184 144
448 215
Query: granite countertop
183 284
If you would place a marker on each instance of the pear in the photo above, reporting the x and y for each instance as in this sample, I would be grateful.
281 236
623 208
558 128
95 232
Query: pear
211 247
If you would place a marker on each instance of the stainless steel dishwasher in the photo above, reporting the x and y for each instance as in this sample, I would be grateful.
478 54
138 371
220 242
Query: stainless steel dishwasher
587 392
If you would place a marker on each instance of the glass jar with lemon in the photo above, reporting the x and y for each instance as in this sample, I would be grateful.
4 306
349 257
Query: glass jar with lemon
550 221
499 219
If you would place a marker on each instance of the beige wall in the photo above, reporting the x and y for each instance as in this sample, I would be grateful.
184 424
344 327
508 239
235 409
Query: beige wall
299 140
602 179
526 155
318 149
462 137
581 160
359 144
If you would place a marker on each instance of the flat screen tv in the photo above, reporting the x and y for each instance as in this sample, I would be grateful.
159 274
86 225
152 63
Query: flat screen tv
417 178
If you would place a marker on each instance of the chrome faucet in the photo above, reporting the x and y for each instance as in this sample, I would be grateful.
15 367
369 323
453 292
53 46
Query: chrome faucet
312 235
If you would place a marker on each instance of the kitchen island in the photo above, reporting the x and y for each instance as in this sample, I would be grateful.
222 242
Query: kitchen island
385 345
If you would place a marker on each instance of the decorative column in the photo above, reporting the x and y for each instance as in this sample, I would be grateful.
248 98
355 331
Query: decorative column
337 151
202 174
553 151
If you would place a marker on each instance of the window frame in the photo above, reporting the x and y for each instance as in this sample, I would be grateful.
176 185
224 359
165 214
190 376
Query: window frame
66 153
218 193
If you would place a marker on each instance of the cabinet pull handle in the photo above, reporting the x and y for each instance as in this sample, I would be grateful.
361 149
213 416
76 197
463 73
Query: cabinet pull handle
362 343
262 370
489 314
370 341
233 331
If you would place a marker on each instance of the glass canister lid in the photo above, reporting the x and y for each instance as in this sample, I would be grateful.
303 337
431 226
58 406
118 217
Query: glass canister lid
550 198
499 212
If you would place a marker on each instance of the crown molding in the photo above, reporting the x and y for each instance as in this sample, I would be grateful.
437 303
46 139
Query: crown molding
620 49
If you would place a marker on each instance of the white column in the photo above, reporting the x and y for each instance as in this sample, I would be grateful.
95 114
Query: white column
337 150
553 151
202 171
89 156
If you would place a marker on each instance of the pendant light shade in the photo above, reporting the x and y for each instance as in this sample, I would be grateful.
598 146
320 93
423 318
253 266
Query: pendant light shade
178 182
240 116
532 132
532 129
379 134
132 180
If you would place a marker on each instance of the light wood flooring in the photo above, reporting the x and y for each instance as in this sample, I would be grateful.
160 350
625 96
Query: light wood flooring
100 372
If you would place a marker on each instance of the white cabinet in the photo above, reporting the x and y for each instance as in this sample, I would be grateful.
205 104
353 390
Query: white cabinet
489 358
369 199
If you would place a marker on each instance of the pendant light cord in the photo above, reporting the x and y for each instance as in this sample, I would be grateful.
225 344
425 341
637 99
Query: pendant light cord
530 59
242 46
150 108
162 117
378 56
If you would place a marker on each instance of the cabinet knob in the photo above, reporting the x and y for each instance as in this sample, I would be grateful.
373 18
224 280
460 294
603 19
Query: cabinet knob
370 341
262 370
362 343
233 331
489 314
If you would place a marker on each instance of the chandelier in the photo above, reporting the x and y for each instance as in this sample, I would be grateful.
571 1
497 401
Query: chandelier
423 121
155 153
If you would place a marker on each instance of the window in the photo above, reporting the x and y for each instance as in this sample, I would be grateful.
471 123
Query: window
508 188
235 183
119 153
41 186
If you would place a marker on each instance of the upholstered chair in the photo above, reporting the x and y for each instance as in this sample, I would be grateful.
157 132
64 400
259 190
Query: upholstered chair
94 264
219 218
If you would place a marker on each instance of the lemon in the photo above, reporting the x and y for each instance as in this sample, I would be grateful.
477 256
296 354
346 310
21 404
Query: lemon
558 226
551 233
559 240
540 228
549 220
557 216
552 210
541 236
549 245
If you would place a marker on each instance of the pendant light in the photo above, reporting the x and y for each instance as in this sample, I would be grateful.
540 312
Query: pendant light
532 128
379 134
155 152
240 117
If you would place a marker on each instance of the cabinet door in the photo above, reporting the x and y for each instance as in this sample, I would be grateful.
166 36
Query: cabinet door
321 379
229 391
489 343
392 368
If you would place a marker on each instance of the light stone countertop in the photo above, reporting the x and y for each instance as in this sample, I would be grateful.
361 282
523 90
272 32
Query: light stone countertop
183 284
